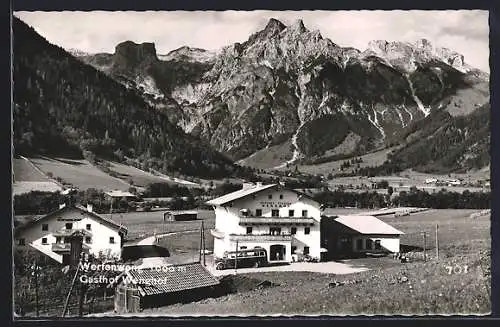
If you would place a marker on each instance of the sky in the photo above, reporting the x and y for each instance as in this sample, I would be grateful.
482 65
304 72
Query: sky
464 31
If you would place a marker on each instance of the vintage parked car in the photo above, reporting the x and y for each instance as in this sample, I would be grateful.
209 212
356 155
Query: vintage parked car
256 257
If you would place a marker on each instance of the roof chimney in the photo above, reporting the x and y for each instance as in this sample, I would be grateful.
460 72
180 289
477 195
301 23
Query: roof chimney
62 205
90 207
259 183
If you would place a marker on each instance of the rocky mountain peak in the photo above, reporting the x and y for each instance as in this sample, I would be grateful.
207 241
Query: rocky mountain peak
78 52
424 44
378 46
298 27
131 54
274 25
188 54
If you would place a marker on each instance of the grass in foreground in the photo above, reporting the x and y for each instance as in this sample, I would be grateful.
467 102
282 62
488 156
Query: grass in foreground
415 288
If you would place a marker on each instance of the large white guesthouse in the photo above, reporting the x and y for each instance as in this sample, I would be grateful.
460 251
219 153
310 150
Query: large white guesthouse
280 220
285 222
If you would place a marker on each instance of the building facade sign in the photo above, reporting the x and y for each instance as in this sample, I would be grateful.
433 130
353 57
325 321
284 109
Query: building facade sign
274 204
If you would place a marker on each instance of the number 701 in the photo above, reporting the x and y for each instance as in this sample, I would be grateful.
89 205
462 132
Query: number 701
457 269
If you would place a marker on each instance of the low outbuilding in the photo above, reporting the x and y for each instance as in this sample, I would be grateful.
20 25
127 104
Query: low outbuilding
352 236
139 289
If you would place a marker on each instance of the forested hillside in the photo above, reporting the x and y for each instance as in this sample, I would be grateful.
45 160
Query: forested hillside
63 106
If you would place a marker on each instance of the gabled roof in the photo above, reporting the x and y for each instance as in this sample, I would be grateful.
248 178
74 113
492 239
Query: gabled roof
174 278
246 192
239 194
37 219
368 225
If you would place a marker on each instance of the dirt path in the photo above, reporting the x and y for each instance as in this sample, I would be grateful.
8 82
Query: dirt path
330 267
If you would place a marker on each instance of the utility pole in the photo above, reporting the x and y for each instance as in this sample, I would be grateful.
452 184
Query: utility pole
111 208
236 259
36 286
201 242
437 242
203 237
81 295
424 234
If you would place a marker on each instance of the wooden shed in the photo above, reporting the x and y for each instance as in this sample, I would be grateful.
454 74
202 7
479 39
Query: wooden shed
180 215
159 286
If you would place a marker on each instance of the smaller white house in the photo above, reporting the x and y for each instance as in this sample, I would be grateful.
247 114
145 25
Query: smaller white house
351 234
50 234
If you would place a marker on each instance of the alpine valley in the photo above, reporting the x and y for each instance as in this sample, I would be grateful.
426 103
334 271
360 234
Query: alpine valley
289 94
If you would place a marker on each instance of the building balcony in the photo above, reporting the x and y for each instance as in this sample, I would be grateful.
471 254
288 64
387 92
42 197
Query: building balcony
72 232
284 237
65 247
246 220
61 247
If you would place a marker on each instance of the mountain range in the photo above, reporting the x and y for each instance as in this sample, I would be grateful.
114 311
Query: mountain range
289 87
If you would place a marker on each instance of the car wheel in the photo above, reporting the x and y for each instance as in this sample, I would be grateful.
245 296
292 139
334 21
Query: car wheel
219 266
256 264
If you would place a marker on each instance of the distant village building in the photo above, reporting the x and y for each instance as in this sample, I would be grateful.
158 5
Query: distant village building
285 222
51 233
180 215
272 217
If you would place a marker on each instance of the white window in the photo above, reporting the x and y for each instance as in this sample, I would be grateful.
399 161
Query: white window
88 239
44 240
45 227
111 240
21 241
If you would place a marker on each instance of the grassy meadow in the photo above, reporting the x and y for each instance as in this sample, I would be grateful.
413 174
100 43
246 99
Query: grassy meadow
456 283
